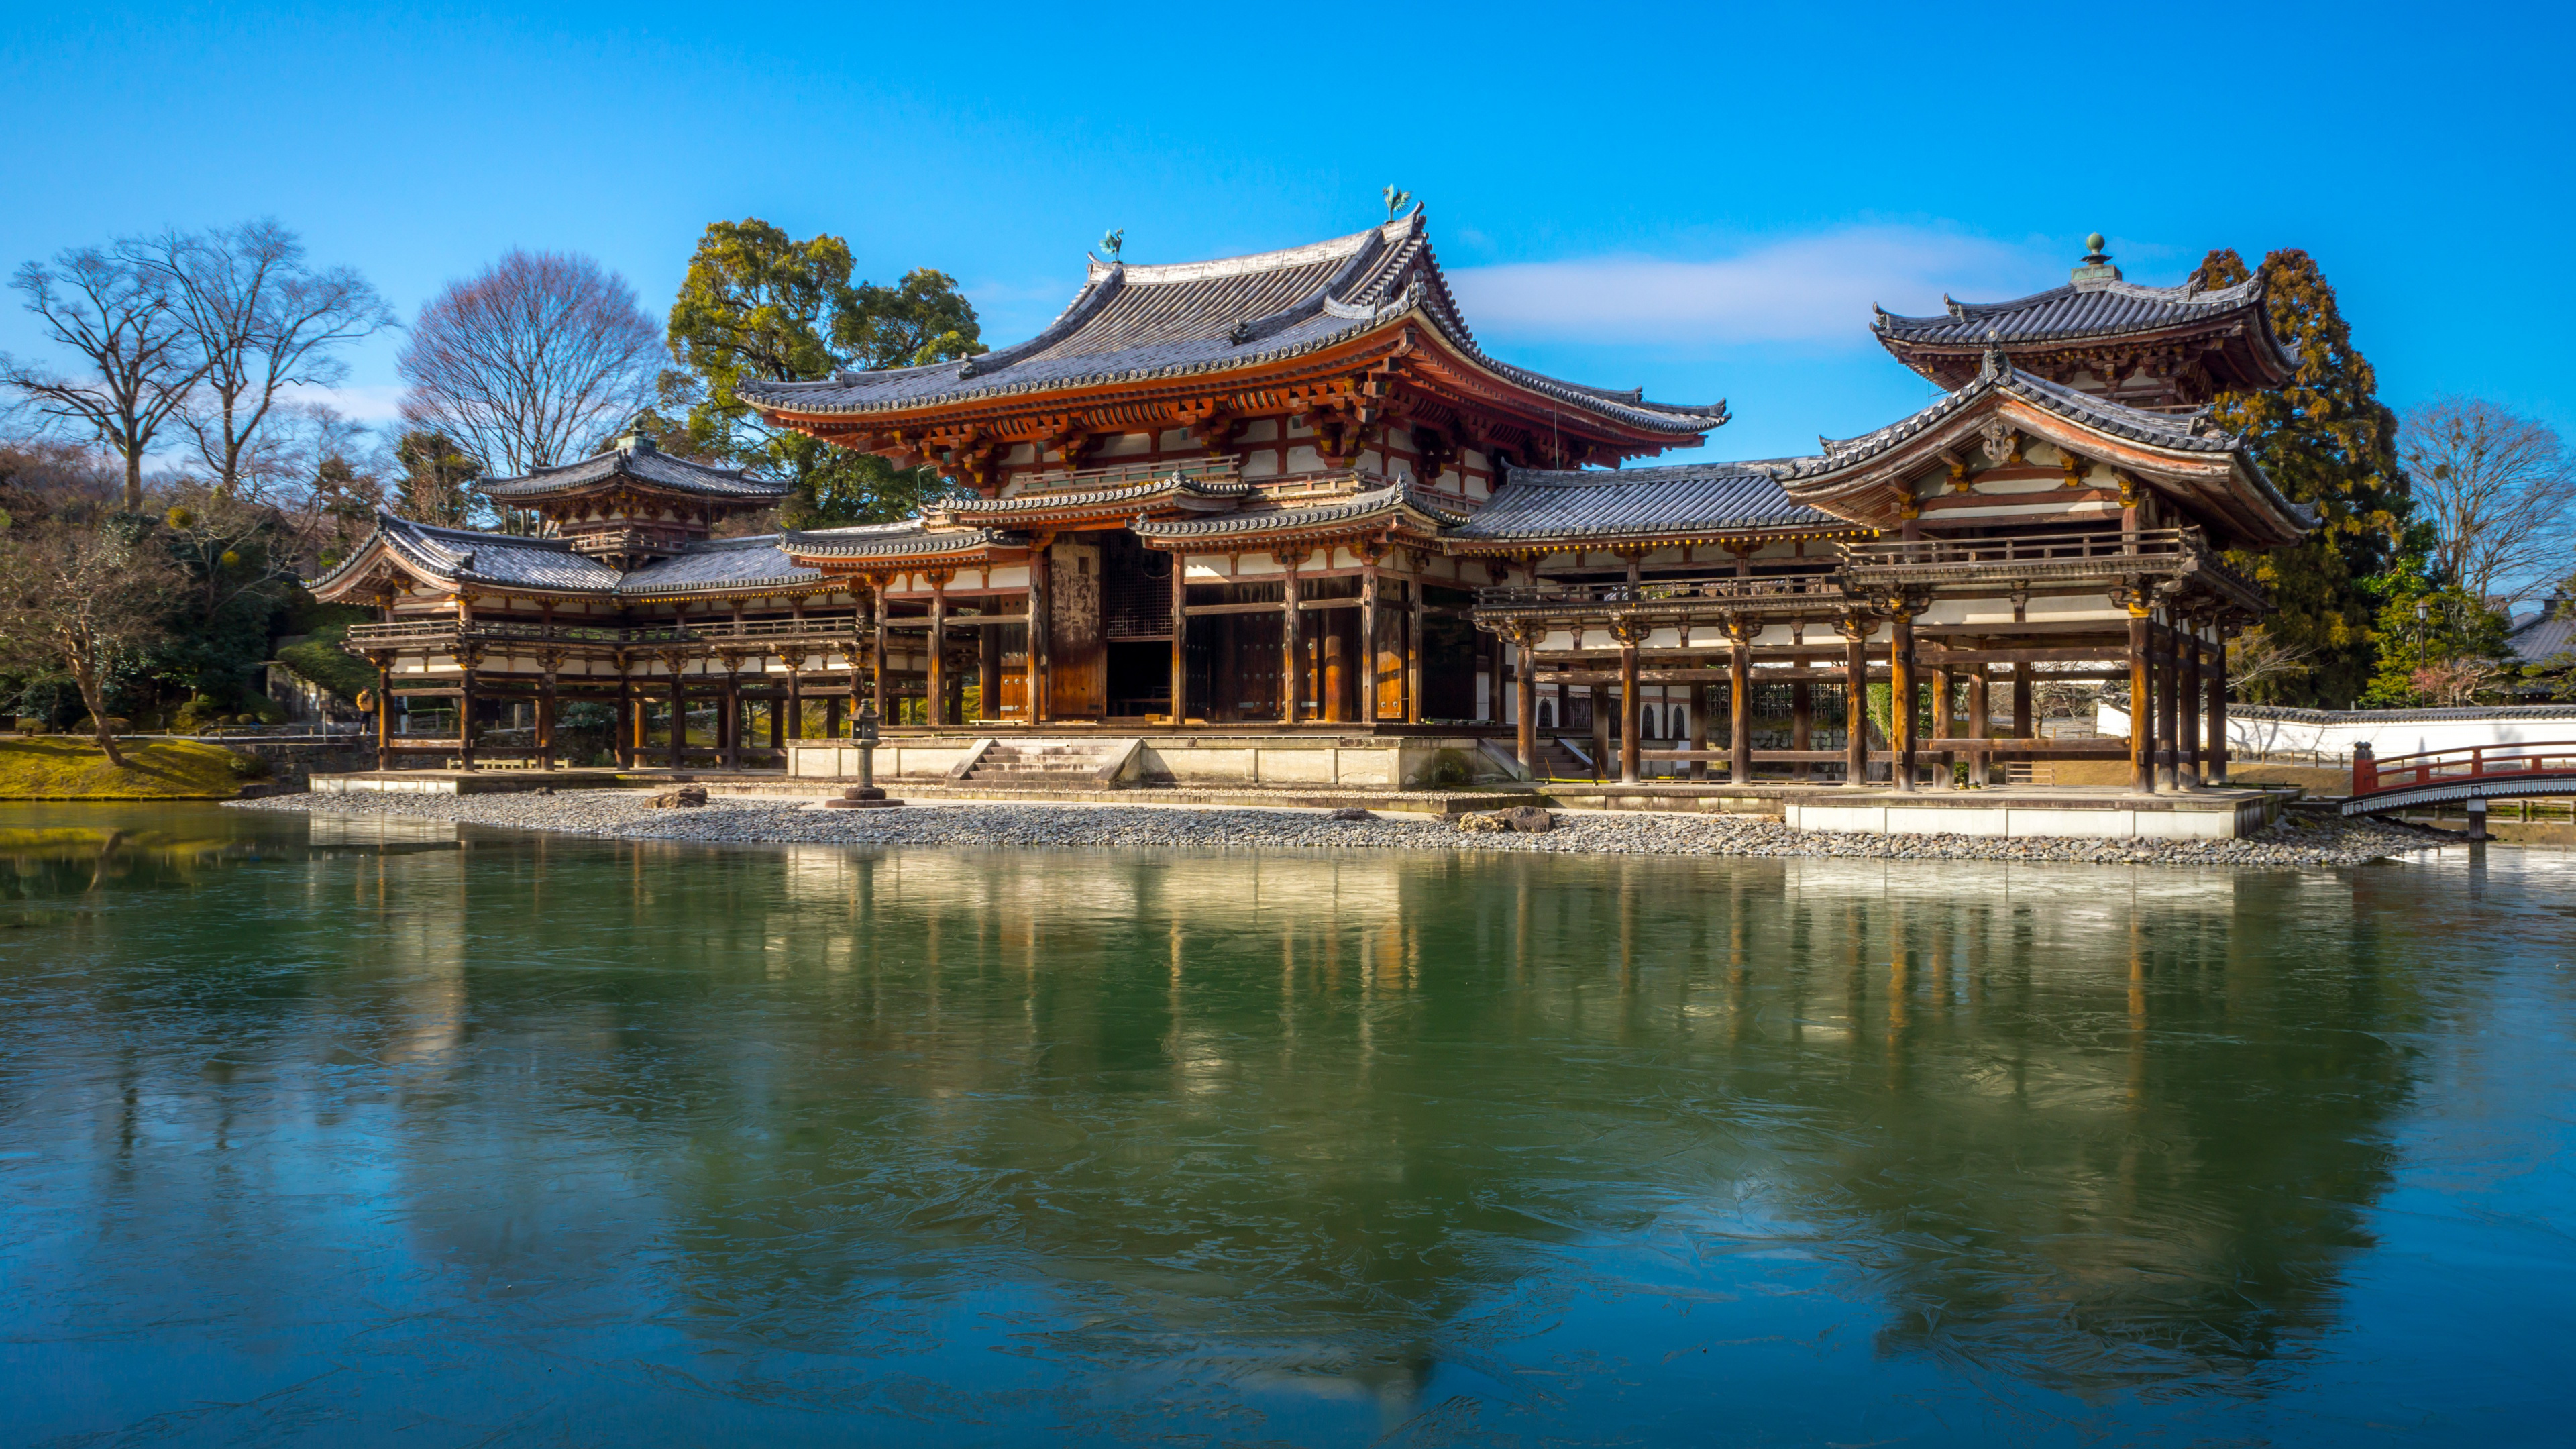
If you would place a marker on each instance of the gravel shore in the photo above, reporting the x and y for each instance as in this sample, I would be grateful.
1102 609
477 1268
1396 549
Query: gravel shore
623 814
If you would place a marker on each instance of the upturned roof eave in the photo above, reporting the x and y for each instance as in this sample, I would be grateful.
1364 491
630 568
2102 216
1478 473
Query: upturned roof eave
1661 425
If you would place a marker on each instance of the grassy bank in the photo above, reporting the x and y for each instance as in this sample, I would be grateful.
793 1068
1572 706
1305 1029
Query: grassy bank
62 768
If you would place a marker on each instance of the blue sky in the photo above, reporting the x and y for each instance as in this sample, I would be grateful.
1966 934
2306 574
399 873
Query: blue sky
1700 200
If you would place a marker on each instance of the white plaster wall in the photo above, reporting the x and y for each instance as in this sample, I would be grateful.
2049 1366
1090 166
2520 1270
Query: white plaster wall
2386 736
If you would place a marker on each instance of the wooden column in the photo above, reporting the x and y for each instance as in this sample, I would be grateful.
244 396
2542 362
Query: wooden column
795 699
2217 676
384 714
2187 692
465 717
777 721
623 738
1802 721
1855 634
2168 719
881 689
729 722
1901 703
679 743
988 672
1699 697
1600 703
2025 704
1630 704
1945 724
935 687
1368 640
1180 639
1292 656
546 720
2142 702
1413 650
1739 699
1980 721
1525 734
1033 698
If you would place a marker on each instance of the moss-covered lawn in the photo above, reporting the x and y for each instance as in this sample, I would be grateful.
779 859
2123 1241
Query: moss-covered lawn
63 768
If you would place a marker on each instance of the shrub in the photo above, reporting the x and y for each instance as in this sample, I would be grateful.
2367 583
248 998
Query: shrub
115 726
248 766
29 724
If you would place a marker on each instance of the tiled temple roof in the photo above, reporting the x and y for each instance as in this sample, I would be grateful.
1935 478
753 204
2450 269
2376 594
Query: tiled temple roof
722 565
1538 504
2545 637
1133 322
2077 312
637 460
1171 487
458 555
2217 338
2190 432
1387 503
910 538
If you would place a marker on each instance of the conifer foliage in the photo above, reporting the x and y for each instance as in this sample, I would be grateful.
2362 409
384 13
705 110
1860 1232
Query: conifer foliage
2327 442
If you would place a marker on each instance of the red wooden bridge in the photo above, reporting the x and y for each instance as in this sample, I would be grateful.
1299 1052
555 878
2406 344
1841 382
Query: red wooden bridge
2474 772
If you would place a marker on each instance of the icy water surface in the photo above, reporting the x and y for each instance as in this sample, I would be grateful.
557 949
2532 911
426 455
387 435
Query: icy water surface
387 1136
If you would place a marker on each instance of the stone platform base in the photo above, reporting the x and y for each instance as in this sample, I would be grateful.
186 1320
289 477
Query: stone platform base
482 782
2088 813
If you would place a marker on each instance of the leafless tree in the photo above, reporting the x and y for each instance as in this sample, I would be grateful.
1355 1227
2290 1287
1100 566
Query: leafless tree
266 322
2255 658
2455 682
2497 488
530 362
142 359
78 588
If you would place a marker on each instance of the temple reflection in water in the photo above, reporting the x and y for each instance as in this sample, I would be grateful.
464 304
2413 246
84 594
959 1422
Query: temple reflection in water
1328 1128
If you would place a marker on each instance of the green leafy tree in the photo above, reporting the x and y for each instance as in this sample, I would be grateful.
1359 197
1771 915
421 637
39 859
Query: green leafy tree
2328 442
759 305
2437 644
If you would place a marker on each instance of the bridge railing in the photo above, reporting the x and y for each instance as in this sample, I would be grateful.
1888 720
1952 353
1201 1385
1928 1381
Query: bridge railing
2469 762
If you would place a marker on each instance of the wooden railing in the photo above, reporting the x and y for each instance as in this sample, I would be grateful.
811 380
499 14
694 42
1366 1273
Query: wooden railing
844 624
1618 593
2026 548
1120 475
2459 766
2087 551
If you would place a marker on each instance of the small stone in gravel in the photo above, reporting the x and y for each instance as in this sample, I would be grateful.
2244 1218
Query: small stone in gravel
1350 812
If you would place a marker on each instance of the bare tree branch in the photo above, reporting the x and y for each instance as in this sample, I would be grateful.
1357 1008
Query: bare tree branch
142 357
531 362
263 320
79 588
2498 490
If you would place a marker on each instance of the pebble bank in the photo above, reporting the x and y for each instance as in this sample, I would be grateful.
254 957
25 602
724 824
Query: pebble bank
624 815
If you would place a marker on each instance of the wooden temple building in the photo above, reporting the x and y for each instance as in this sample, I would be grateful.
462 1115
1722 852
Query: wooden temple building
1292 493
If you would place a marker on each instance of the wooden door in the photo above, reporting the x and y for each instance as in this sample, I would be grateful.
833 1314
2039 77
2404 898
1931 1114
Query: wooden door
1077 656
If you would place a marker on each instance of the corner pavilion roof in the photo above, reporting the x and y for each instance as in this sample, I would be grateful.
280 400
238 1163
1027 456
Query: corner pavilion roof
637 461
2097 309
455 558
1135 323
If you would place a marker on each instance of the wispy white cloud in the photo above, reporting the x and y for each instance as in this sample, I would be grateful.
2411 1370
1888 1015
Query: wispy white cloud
1809 289
361 403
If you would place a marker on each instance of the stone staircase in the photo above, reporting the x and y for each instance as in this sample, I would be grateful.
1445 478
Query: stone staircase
1045 764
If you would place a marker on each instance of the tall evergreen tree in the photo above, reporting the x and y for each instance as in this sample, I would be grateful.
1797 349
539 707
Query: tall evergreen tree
2328 442
758 304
